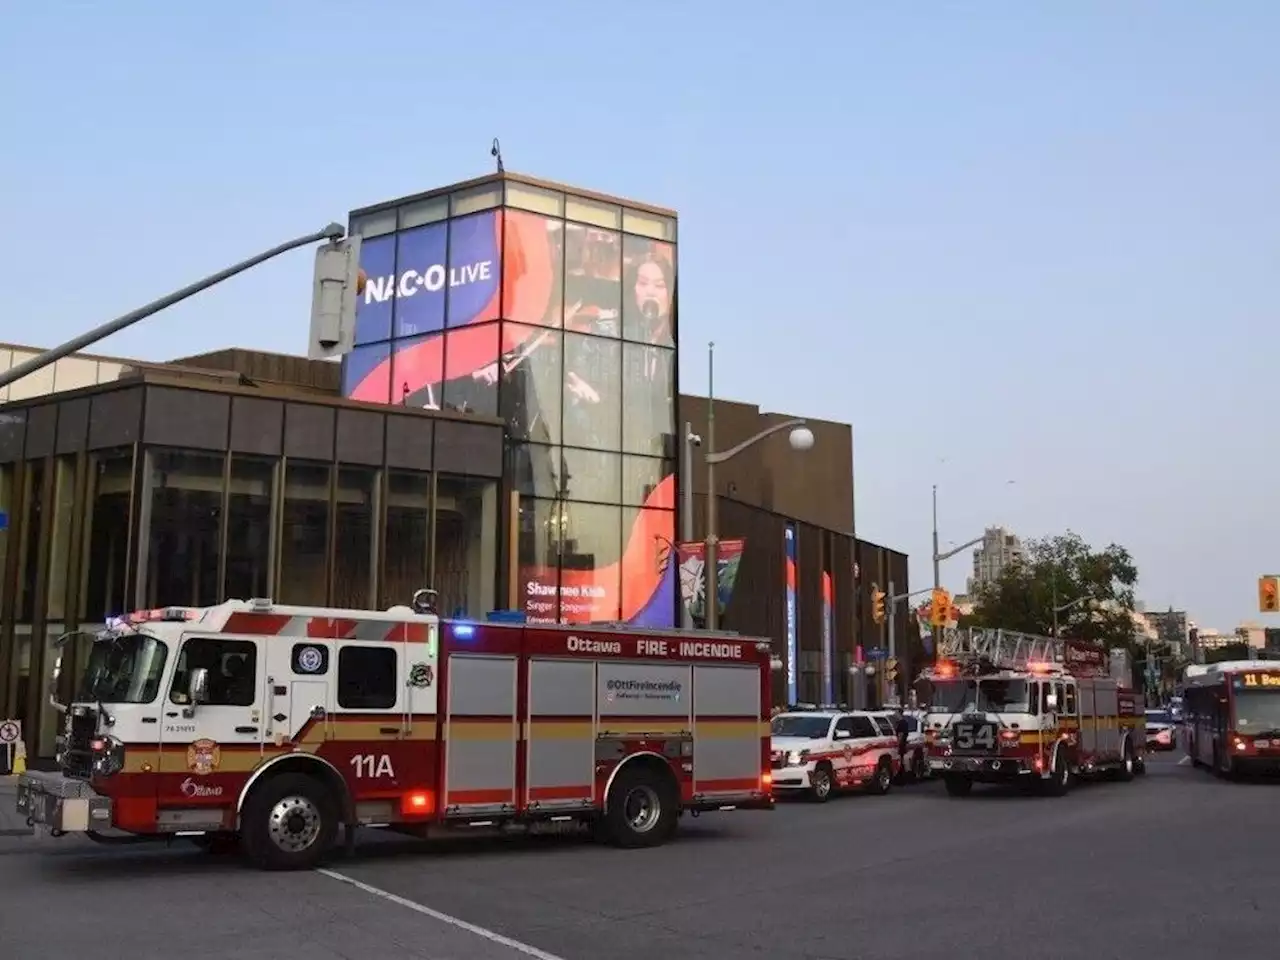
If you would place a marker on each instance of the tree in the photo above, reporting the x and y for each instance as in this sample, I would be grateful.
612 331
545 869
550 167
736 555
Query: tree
1092 591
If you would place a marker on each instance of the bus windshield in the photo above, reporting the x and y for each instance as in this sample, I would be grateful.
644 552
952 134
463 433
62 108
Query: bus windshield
1258 711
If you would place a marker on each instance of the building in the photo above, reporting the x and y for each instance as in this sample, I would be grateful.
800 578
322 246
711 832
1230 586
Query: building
999 549
474 440
1172 629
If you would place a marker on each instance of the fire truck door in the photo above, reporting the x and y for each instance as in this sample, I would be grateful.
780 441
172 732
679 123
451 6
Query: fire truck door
208 747
297 692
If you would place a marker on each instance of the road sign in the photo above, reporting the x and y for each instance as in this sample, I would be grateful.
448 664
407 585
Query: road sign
877 653
10 731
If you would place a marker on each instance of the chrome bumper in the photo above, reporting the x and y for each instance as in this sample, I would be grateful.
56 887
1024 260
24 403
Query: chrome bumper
62 804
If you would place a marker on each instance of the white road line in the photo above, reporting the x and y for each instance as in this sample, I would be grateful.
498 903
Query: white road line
489 935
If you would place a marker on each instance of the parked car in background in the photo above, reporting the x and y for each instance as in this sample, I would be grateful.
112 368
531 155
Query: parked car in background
1161 730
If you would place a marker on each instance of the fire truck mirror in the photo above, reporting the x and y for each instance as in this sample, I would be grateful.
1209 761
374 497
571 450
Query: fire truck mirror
1051 702
198 686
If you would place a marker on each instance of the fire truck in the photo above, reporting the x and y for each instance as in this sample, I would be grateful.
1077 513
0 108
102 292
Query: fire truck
1232 716
267 727
1013 708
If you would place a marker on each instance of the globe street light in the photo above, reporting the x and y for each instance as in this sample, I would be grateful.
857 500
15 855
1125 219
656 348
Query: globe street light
800 438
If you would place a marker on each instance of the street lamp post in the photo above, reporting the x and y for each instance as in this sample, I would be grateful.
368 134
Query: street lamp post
939 557
801 438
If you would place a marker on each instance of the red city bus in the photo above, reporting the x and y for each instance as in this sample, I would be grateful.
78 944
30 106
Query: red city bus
1232 716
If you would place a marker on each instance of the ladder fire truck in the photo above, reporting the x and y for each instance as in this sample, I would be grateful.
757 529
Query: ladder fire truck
1009 707
270 727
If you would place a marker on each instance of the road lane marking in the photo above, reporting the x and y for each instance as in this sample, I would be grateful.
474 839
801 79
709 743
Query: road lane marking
460 924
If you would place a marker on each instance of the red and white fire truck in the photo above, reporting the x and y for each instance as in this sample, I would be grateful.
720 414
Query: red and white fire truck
1231 715
1008 707
272 726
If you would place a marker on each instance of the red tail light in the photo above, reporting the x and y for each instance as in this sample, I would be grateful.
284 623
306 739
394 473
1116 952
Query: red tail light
417 803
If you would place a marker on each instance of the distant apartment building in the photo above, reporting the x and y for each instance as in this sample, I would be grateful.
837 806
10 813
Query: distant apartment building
999 549
1272 636
1172 628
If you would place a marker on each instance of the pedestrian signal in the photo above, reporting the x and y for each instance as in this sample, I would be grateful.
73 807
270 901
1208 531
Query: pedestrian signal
877 604
1269 594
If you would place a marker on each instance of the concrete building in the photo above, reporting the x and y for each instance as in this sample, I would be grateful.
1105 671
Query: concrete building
999 549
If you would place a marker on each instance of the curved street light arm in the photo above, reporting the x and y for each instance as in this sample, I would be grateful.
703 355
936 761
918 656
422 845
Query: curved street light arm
964 546
715 458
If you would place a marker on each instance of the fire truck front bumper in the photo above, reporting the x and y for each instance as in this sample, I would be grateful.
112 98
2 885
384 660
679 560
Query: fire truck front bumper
62 804
983 769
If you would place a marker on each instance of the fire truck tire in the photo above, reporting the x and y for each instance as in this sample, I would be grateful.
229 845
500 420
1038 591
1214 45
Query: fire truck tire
822 783
1059 781
882 780
289 822
643 807
958 786
1128 766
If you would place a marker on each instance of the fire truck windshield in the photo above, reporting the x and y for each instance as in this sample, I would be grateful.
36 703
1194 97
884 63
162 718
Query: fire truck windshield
799 725
987 695
124 668
1257 711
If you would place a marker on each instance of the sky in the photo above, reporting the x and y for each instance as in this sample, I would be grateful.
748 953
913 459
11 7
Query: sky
1028 242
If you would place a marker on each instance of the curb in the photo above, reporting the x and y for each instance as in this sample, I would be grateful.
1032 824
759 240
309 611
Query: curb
26 832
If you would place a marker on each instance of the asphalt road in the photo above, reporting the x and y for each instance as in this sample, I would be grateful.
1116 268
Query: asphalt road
1177 864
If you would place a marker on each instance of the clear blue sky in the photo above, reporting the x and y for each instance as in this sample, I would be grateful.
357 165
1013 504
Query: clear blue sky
1007 241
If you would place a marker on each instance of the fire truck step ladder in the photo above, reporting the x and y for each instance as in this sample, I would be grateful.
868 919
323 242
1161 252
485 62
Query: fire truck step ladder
1003 648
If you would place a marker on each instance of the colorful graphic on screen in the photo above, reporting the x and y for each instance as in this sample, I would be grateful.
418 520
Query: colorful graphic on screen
793 633
828 675
639 587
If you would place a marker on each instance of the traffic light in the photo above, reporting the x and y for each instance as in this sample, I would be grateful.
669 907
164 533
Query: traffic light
877 604
891 670
1269 594
940 609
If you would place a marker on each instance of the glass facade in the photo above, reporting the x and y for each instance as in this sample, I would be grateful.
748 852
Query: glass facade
555 312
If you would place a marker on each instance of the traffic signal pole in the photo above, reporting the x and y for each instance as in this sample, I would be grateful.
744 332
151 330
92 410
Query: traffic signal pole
333 231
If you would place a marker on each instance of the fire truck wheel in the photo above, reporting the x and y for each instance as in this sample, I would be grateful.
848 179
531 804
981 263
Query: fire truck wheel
1125 771
958 786
821 783
1059 781
643 807
882 779
289 823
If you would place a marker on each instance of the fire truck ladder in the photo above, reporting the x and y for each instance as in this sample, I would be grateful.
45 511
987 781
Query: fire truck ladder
1004 649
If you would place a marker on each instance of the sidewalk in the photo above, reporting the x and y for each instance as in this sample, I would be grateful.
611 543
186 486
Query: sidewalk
11 824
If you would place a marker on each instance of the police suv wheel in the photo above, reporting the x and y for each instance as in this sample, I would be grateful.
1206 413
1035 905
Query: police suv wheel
289 823
642 808
821 784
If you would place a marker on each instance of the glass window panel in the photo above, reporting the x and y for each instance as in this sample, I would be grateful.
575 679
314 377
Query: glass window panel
592 475
59 563
466 545
366 373
354 556
475 268
532 268
536 470
376 289
590 561
471 370
421 277
424 211
532 382
232 666
32 530
304 540
538 558
648 225
641 477
406 536
536 199
648 396
417 371
367 678
648 290
593 280
650 578
605 215
476 198
184 528
249 547
593 388
374 224
105 542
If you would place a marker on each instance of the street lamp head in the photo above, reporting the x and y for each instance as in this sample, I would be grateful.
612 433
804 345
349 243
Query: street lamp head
801 438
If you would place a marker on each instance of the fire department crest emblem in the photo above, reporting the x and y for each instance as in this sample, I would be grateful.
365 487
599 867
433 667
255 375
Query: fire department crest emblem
421 675
848 751
203 756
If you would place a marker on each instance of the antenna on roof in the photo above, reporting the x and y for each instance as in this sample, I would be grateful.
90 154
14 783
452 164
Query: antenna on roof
495 151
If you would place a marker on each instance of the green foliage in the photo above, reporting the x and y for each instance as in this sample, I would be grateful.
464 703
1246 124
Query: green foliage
1228 651
1092 591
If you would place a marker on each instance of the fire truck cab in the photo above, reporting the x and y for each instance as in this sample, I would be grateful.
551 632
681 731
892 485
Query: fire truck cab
1008 707
270 727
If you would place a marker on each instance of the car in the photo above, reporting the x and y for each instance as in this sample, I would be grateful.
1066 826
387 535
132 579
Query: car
819 752
1162 730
